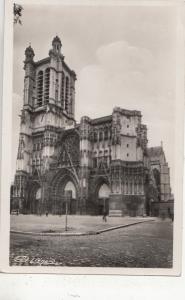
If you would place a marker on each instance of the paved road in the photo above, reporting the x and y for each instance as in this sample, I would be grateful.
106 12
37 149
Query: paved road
143 245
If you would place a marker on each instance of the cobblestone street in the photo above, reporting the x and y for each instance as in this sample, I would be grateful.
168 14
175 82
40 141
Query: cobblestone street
147 245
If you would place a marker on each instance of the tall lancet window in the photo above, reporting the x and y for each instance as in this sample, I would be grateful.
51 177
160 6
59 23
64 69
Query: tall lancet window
56 91
46 85
62 89
39 88
67 94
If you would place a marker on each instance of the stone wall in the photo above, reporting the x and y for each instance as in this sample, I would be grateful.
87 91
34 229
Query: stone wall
162 209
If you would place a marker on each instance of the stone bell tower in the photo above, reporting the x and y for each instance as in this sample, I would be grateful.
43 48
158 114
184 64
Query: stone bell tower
48 108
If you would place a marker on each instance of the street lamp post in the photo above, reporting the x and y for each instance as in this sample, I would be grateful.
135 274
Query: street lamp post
66 215
68 196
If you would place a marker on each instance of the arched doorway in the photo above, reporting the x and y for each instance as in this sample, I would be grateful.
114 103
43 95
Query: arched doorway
72 204
38 201
38 194
103 198
64 181
34 199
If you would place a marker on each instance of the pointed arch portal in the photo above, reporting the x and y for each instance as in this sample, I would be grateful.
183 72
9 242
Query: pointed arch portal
70 187
34 200
38 194
103 193
63 182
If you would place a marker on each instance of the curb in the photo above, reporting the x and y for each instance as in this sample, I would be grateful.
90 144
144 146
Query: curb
122 226
78 233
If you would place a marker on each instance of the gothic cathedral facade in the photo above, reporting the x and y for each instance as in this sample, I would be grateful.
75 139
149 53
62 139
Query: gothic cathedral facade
96 165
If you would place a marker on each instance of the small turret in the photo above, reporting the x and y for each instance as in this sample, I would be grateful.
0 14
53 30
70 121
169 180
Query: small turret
56 43
29 54
56 47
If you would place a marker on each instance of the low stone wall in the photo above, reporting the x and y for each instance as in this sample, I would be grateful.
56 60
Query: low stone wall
126 205
164 209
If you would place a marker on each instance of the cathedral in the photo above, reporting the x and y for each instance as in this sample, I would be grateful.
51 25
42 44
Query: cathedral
95 166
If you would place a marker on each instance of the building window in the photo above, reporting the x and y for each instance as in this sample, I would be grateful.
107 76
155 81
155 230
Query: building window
95 137
62 90
46 85
135 188
106 161
106 134
127 154
56 91
95 162
67 94
131 188
126 187
127 145
100 136
39 88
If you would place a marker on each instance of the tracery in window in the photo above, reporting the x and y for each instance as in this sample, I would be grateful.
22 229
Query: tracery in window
70 153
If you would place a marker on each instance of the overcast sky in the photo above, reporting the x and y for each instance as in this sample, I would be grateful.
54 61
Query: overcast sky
123 56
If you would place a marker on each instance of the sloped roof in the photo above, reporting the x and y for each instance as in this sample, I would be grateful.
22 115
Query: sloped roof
101 120
42 61
155 151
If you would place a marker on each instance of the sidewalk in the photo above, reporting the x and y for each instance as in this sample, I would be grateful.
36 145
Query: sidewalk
76 225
